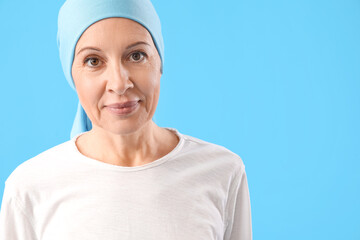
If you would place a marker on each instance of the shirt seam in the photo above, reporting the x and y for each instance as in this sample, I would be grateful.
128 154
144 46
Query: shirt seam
196 140
21 208
234 188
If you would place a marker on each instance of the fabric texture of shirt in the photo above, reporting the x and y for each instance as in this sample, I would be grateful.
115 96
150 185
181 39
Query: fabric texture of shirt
197 191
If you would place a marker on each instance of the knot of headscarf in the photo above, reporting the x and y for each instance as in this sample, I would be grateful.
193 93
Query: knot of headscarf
75 16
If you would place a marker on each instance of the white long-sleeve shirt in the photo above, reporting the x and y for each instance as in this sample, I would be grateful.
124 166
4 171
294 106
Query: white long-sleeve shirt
198 191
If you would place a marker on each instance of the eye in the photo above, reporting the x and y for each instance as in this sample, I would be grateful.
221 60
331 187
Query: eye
138 56
92 61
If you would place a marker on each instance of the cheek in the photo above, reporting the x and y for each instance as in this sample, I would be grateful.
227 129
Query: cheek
150 86
88 88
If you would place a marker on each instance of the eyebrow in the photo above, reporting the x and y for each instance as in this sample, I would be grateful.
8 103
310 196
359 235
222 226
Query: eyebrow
128 47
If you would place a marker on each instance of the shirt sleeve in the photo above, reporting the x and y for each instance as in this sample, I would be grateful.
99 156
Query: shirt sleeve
14 224
239 209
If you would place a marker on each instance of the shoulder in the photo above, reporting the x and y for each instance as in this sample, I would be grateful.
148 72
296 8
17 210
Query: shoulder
29 172
208 150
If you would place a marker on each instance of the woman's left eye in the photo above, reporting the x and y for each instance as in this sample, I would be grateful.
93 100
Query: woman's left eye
138 56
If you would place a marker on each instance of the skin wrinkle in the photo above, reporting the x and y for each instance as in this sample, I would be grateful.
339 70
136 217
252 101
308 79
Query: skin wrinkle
135 139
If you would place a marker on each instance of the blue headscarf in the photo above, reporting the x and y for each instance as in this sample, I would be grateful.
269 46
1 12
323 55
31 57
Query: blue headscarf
75 16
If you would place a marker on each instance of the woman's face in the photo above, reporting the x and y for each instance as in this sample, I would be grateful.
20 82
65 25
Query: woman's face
111 66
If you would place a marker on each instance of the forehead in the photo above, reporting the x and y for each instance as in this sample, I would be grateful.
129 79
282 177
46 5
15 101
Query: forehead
116 29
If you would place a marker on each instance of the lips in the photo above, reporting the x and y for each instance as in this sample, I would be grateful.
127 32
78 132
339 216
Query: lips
123 109
127 104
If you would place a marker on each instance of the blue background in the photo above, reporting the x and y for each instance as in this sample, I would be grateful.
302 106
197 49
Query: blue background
276 82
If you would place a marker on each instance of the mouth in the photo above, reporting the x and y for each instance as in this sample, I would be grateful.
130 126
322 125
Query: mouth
123 104
124 108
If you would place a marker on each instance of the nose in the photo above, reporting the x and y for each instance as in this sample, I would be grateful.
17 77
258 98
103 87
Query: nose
118 79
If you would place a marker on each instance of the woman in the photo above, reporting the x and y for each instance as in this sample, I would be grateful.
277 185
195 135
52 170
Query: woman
121 176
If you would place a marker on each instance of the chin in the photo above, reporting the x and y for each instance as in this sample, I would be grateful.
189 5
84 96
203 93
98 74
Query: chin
124 127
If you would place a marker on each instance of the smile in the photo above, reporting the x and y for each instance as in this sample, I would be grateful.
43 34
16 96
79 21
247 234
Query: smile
123 109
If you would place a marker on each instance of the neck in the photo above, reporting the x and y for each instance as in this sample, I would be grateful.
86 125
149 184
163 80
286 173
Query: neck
131 149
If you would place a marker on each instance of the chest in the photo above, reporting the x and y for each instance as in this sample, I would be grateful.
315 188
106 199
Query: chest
145 209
